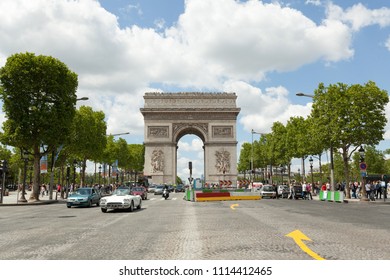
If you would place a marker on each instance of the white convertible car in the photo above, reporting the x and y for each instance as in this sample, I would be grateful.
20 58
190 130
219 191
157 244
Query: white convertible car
121 198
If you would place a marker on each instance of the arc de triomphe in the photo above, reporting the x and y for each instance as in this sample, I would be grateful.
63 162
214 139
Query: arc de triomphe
210 116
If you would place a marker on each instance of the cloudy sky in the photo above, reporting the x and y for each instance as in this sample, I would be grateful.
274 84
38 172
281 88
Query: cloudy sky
264 51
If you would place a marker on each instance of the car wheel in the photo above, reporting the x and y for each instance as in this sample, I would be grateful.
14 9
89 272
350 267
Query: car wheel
90 203
68 206
98 203
139 205
104 210
131 208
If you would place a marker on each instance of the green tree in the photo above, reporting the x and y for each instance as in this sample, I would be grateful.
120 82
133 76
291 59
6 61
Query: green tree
39 97
298 139
244 161
88 137
347 116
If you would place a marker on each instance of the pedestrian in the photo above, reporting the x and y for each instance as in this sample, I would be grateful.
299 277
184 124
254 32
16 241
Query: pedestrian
354 188
308 192
42 190
368 189
378 190
304 189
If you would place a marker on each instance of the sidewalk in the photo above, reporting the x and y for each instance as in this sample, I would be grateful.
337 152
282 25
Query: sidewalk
355 200
12 199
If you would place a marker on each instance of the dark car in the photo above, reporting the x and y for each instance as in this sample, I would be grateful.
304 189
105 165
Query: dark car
141 191
179 188
296 192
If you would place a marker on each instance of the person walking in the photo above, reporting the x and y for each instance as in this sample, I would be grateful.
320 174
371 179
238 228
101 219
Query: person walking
304 190
368 189
354 188
308 191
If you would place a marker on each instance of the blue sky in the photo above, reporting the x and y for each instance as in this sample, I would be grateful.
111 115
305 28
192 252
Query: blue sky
265 51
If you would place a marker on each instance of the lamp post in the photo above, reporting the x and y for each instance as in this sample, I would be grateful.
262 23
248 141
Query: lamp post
363 171
252 169
100 172
4 169
82 99
281 172
330 148
299 174
311 171
74 174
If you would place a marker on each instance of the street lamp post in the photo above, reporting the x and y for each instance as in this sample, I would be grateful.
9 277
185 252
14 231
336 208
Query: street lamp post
281 172
4 167
82 99
252 169
363 184
330 148
311 171
100 172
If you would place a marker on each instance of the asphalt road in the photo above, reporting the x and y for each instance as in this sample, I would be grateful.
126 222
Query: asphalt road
176 229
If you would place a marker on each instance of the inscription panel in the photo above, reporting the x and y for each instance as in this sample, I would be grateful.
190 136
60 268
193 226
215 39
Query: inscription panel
222 131
158 131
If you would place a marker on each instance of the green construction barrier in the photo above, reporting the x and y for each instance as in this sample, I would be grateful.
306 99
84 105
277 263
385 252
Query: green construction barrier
323 195
330 196
338 196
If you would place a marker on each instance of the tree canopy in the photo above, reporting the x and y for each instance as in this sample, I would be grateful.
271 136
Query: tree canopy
39 97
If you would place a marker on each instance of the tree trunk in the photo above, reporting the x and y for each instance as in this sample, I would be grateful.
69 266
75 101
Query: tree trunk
346 173
34 196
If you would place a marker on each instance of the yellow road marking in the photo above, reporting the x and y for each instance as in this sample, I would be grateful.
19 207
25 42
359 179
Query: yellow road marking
298 237
233 206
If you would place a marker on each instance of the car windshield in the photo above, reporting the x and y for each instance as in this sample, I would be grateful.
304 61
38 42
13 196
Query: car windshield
138 189
268 188
83 191
121 192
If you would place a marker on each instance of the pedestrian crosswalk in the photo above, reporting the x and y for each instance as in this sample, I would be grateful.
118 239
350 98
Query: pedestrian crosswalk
161 198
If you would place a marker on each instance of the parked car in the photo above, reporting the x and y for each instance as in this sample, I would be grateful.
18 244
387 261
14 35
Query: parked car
83 197
141 191
121 198
151 189
159 189
179 188
283 191
268 191
296 192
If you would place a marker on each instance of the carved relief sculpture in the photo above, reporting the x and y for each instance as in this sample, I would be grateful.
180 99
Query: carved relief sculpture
157 161
158 131
223 131
223 161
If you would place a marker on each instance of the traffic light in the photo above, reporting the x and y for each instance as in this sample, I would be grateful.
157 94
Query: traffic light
190 165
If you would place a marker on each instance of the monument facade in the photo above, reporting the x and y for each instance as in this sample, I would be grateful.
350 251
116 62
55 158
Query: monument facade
210 116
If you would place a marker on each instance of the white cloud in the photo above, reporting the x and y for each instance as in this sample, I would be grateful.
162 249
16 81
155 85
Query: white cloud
359 16
387 44
260 109
313 2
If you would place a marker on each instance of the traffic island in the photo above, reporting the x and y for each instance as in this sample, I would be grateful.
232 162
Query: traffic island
221 195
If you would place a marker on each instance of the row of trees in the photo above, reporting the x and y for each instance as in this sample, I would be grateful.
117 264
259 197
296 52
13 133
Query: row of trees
343 118
39 102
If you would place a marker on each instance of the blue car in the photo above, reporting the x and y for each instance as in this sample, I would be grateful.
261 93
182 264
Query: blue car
83 197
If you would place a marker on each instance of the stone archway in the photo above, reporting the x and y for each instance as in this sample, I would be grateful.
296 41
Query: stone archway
210 116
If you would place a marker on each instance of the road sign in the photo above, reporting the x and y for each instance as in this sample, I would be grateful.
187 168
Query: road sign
363 166
363 173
